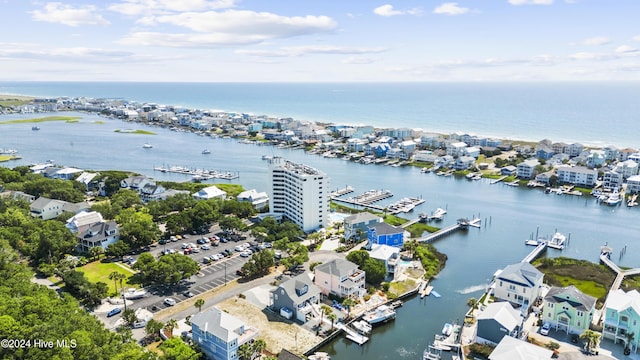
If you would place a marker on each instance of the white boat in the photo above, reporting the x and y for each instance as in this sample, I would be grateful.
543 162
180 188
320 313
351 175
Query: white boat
379 315
362 326
439 345
132 294
557 241
532 242
614 199
35 128
447 329
206 151
147 146
432 353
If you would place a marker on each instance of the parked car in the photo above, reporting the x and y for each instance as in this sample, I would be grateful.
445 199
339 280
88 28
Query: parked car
245 253
188 294
114 312
205 247
239 248
184 246
206 259
544 330
169 302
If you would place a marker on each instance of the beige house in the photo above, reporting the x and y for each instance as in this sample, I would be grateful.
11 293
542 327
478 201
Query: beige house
340 277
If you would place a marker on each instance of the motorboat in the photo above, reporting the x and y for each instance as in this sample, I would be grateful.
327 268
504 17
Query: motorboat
447 329
379 315
432 353
362 326
557 241
614 199
206 151
147 146
35 128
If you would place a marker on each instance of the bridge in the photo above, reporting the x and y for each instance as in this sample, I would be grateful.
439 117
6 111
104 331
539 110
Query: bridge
605 254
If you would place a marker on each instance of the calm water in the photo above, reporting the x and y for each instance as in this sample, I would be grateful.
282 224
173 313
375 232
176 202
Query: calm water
509 215
600 113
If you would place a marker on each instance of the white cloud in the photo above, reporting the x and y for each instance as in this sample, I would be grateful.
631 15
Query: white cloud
147 7
450 8
530 2
358 60
636 38
77 53
598 40
388 10
55 12
587 56
229 27
625 49
290 51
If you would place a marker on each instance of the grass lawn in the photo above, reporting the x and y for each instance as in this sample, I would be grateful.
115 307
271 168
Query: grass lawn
99 271
588 287
43 119
400 287
137 132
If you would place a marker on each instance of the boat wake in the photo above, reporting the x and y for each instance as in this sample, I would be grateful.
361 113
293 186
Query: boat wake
404 353
472 289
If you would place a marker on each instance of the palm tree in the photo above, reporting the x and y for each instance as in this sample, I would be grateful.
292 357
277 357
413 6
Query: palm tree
627 346
199 304
324 309
333 317
591 337
245 352
95 251
348 303
258 347
472 303
170 325
116 276
411 246
153 327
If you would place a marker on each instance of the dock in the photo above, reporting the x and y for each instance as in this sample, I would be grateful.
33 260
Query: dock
404 205
339 192
498 180
367 199
426 291
535 252
199 174
462 224
352 334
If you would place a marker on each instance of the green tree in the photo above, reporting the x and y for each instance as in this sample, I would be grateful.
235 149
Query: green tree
116 276
118 249
129 316
137 227
411 246
375 270
176 349
591 338
333 317
472 303
153 328
199 304
245 352
95 251
170 325
358 257
348 303
258 347
324 309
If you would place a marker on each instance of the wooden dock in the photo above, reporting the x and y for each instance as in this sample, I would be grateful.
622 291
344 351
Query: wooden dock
498 180
462 224
340 192
535 252
199 174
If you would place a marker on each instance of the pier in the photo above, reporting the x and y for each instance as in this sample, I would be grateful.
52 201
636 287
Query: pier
498 180
605 254
462 224
352 334
340 192
367 199
542 246
404 205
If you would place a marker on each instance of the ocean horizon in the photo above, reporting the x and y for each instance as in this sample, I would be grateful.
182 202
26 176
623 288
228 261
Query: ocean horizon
596 114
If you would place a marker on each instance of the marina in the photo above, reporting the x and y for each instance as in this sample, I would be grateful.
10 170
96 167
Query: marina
199 174
405 205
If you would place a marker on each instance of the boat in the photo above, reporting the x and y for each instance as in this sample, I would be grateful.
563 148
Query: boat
439 345
532 242
614 199
557 241
35 128
147 146
319 356
432 353
206 151
396 304
379 315
362 326
133 294
447 329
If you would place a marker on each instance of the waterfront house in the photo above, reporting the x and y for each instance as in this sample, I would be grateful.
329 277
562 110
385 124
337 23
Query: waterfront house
558 147
385 234
135 182
356 145
508 170
573 149
544 152
85 178
623 154
356 226
627 168
45 208
510 348
389 255
526 169
295 297
340 277
151 191
425 156
610 152
431 140
464 162
519 284
612 181
257 199
622 317
544 177
577 175
568 309
219 335
472 151
497 320
210 192
596 158
633 184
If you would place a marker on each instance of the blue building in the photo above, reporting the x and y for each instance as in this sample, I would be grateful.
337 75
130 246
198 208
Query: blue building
220 334
385 234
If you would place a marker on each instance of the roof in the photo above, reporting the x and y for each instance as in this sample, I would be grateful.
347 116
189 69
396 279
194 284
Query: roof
510 348
294 286
619 300
382 228
571 295
364 216
521 273
503 313
210 192
383 252
42 202
85 218
288 355
218 323
338 267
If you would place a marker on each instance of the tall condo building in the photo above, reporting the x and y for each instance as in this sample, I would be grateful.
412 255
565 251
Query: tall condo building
299 193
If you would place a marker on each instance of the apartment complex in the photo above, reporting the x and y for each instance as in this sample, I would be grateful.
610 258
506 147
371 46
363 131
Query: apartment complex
299 193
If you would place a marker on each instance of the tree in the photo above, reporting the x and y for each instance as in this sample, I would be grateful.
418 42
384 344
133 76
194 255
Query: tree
348 303
176 349
324 309
199 304
116 276
153 328
170 325
95 251
472 303
411 246
258 347
129 316
333 317
375 270
591 338
627 346
118 249
245 352
137 227
358 257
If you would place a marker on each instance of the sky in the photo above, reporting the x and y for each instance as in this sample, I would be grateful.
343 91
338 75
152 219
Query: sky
320 40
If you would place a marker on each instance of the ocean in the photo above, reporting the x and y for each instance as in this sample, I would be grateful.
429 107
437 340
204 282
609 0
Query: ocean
592 113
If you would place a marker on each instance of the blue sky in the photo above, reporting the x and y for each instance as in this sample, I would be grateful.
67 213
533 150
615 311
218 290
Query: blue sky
317 41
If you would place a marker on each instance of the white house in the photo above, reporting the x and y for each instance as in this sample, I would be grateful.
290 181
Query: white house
456 149
519 284
219 334
526 169
389 255
45 208
257 199
210 192
577 175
